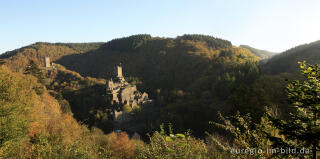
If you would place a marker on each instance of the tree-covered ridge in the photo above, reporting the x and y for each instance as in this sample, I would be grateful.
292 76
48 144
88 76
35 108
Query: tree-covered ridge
83 47
286 61
263 54
154 51
79 47
130 43
19 58
211 41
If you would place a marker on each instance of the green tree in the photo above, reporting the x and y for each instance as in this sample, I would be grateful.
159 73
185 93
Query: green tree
248 136
302 131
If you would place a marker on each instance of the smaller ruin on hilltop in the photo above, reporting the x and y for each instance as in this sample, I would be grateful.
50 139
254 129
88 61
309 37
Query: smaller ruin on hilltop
47 62
124 96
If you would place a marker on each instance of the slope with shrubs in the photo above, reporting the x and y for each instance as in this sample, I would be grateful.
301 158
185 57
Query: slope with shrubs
33 126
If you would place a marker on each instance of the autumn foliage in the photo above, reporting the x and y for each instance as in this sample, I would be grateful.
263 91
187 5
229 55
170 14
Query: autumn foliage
121 146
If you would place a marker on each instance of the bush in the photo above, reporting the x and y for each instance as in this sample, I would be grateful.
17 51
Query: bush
121 146
126 108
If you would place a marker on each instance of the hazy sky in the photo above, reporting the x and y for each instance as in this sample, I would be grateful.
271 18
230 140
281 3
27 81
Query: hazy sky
274 25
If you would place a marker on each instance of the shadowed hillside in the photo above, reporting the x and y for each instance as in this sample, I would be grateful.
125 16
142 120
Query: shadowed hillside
287 61
160 62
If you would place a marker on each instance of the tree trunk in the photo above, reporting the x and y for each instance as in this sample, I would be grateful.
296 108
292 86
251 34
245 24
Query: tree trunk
315 143
314 150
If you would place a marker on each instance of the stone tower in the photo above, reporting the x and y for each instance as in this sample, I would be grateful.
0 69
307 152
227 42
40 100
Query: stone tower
119 71
47 62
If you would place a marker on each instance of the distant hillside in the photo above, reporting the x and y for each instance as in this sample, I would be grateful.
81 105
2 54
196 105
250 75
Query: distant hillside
287 61
263 54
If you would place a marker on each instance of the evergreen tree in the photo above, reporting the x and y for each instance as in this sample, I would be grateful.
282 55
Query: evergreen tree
1 62
302 130
33 69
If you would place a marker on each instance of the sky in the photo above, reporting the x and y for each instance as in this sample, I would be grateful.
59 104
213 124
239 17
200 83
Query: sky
274 25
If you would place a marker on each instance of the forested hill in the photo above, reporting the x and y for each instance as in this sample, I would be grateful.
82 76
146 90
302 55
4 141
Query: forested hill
287 61
165 62
263 54
174 61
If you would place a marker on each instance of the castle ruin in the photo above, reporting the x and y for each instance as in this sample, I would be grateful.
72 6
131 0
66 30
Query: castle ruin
123 95
47 63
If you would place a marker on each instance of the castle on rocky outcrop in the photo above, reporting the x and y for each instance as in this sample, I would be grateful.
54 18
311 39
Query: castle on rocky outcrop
123 95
